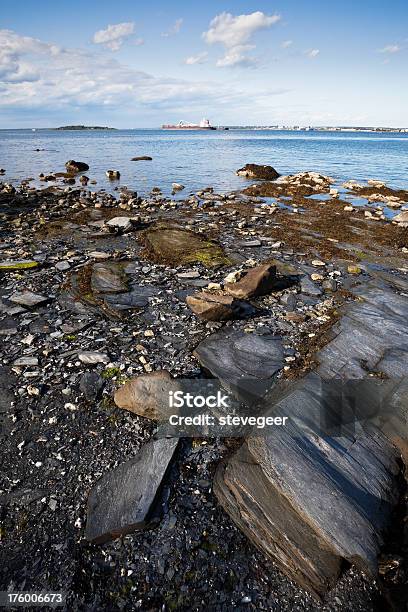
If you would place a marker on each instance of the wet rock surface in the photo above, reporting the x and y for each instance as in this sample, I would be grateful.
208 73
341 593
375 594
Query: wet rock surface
60 429
175 245
76 166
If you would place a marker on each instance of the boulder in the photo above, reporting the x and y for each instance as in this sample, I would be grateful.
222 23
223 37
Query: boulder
113 175
311 502
402 217
147 395
125 499
122 224
247 365
177 187
254 171
73 166
257 281
218 307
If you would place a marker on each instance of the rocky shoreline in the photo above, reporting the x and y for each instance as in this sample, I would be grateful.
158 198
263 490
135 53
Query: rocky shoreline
97 290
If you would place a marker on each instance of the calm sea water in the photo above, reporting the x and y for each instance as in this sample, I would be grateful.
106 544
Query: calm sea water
200 159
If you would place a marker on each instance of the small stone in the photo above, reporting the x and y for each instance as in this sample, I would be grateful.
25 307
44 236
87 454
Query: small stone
62 266
26 361
99 255
91 357
316 277
120 223
188 275
177 186
28 298
147 395
309 287
91 385
233 277
318 262
352 269
53 504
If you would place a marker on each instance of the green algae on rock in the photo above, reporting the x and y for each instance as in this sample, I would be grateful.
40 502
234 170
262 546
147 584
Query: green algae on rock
174 245
22 264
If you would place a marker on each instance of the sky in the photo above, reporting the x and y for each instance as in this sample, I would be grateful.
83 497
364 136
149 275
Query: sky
128 64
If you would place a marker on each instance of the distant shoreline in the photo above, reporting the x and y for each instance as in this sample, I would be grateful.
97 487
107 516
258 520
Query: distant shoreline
80 128
360 130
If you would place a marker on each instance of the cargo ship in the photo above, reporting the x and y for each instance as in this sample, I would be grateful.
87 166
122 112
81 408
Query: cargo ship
184 125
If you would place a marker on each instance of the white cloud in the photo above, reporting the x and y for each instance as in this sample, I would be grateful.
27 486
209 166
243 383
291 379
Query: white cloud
390 49
237 56
235 34
175 28
200 58
36 75
113 37
312 53
286 44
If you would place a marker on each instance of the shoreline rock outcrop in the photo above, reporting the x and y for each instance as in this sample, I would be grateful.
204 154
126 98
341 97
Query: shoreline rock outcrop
73 167
255 171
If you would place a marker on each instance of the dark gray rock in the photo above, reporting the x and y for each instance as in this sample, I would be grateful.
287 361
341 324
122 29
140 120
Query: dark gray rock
308 287
108 277
310 500
123 500
76 166
332 496
138 297
91 385
7 383
246 364
28 298
255 171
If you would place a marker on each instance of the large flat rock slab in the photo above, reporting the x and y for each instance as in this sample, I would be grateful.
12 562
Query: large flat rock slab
105 288
311 501
122 501
108 277
174 245
310 498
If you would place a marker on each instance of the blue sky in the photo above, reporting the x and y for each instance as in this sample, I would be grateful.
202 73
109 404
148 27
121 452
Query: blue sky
131 64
